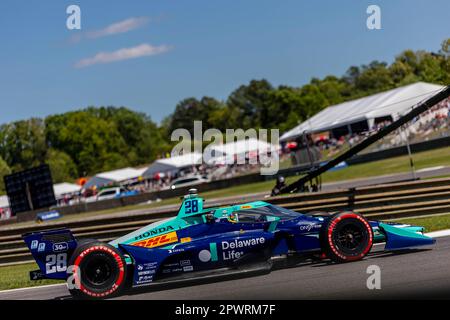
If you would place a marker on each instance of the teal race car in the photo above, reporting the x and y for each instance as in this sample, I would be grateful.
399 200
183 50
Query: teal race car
205 243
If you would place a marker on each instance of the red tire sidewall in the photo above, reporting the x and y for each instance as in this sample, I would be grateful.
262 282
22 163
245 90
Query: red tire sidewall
329 236
120 265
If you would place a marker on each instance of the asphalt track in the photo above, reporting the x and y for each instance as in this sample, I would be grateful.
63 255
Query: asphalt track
407 275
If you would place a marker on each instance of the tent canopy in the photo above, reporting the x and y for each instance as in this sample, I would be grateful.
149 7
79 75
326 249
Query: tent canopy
65 188
392 103
173 164
243 146
4 202
115 176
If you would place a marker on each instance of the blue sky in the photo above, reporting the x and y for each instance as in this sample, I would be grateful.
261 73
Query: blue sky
191 48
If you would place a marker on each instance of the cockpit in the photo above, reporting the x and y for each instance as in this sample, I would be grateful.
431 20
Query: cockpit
261 214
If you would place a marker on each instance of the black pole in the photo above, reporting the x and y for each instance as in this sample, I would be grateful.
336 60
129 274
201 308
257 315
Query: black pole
424 106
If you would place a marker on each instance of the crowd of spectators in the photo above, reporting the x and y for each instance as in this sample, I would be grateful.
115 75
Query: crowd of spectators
433 123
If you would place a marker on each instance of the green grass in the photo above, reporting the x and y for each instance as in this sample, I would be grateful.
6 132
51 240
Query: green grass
425 159
17 276
433 223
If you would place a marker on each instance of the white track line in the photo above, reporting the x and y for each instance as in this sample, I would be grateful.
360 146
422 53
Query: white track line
435 234
438 234
36 287
430 169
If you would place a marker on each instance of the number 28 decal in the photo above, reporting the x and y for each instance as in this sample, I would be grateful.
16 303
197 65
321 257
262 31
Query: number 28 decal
56 263
191 206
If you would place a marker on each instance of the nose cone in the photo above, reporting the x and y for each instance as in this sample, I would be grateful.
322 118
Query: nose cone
398 238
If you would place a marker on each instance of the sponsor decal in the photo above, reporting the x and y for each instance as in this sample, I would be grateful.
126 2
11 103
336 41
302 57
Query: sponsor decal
146 266
153 232
208 255
242 243
188 268
158 240
176 250
36 275
144 273
187 239
175 264
34 244
246 207
185 262
232 255
41 247
229 251
204 255
61 246
150 265
309 227
144 279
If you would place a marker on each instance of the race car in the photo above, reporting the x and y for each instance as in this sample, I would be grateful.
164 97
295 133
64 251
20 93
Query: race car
204 243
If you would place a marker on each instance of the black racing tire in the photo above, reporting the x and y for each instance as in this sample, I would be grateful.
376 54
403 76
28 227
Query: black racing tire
346 237
99 271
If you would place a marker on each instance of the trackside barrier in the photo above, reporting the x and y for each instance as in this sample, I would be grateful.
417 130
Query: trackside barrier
381 202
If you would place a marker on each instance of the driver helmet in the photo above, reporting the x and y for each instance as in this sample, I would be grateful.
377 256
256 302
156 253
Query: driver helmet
232 217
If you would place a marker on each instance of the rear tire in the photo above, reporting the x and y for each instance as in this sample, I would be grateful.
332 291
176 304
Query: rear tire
346 236
99 271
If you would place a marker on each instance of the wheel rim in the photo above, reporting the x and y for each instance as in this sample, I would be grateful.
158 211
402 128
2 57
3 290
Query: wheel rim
350 237
98 271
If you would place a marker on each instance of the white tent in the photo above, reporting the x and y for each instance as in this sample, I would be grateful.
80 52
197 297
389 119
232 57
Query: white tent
63 188
184 160
392 103
242 147
173 164
4 202
115 176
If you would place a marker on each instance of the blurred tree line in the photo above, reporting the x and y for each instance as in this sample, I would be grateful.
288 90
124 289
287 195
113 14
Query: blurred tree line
84 142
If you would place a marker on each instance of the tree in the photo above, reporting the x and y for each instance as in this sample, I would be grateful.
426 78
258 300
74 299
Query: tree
285 102
4 170
374 78
87 139
251 103
445 63
191 109
22 143
141 135
62 167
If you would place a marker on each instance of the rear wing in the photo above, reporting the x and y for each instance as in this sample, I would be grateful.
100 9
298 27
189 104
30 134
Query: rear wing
52 250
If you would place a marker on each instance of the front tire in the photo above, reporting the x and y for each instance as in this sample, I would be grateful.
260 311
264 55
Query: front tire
99 271
346 236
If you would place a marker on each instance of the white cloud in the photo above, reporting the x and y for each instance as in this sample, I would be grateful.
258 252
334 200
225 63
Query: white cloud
113 29
123 54
119 27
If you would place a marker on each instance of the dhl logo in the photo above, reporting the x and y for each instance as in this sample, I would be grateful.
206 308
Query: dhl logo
158 241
